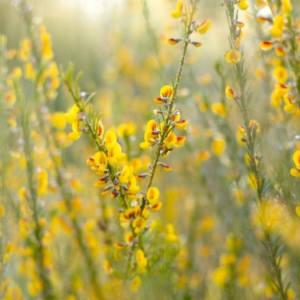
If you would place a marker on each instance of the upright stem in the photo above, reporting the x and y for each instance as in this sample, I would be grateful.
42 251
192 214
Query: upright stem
250 141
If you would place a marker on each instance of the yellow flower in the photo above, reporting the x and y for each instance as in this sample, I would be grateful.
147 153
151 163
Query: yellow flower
125 175
110 140
178 12
166 91
114 155
30 72
233 56
230 93
282 89
170 140
290 104
296 159
107 267
153 195
280 74
219 109
203 27
295 172
227 259
125 130
138 224
278 26
174 41
135 284
25 50
218 146
252 181
170 234
203 155
243 4
179 142
46 44
42 182
72 115
100 162
181 124
76 134
297 210
221 276
141 260
2 211
275 99
58 120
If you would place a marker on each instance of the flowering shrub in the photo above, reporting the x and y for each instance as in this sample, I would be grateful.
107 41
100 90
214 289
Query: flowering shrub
97 202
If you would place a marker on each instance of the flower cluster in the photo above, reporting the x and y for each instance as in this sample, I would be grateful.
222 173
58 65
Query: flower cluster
283 37
180 12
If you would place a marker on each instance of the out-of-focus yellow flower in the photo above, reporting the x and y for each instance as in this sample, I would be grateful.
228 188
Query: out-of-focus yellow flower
280 52
290 104
2 211
233 56
46 44
42 182
221 276
30 72
266 45
203 27
227 259
127 129
177 13
9 98
282 89
141 260
219 109
10 54
58 120
218 146
280 74
170 234
203 155
135 284
252 181
278 26
297 210
275 99
229 92
25 50
242 4
296 159
174 41
295 172
107 267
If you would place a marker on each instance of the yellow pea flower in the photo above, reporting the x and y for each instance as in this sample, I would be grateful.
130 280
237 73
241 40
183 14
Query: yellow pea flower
203 27
153 195
229 92
242 4
177 13
72 115
135 284
233 56
218 146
